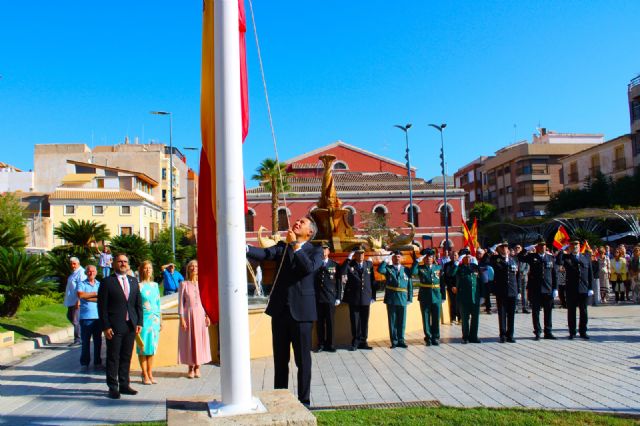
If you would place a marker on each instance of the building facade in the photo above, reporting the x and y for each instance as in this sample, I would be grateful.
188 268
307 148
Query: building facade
469 178
520 179
367 184
613 158
633 93
13 179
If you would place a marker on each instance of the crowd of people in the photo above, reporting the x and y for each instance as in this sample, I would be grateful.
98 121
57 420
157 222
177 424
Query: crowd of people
125 308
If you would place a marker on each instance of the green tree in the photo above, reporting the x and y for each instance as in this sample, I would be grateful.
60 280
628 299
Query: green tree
135 247
185 245
12 222
160 255
484 212
20 275
83 235
275 178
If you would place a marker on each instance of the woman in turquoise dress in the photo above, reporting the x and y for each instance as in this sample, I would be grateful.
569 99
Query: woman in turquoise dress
152 322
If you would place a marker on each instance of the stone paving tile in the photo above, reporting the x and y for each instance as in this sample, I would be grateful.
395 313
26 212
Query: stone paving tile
601 374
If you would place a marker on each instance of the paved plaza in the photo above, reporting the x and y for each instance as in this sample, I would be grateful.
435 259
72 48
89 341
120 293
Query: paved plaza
601 374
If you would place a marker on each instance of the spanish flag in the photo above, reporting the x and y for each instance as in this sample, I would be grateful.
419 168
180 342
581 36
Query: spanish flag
468 238
207 233
586 248
561 238
474 234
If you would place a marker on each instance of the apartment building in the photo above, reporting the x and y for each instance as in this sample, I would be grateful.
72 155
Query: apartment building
469 178
633 93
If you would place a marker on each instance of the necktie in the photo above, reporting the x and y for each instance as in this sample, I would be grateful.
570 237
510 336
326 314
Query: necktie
125 289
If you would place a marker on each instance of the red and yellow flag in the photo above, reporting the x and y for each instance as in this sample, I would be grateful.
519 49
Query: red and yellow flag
468 238
474 235
561 238
586 248
207 231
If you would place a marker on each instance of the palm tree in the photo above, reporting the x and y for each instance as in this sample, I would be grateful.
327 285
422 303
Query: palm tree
275 178
20 275
82 233
135 247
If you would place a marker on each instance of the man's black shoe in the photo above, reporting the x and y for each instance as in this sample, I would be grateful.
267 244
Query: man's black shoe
475 341
525 311
352 348
465 341
114 394
537 337
550 337
572 336
402 345
502 340
319 349
330 349
511 340
427 342
584 336
364 346
435 342
488 312
128 391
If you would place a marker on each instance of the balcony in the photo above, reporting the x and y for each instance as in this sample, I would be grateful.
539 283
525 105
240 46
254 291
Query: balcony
594 171
532 172
619 165
572 177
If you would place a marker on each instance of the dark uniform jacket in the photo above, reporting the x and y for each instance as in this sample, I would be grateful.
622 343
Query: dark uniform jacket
469 287
295 287
113 306
579 275
505 283
448 274
359 287
328 283
432 289
399 288
542 273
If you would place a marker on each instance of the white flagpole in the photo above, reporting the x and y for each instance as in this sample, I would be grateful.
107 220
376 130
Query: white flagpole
235 367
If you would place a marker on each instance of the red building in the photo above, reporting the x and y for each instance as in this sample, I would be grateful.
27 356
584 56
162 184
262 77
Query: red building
366 183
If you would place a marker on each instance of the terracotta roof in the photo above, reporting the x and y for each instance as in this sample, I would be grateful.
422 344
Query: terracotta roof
103 194
139 175
9 166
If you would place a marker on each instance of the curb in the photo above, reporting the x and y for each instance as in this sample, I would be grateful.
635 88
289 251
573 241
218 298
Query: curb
22 349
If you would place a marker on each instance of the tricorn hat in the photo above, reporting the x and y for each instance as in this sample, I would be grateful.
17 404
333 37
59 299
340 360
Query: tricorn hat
427 252
464 252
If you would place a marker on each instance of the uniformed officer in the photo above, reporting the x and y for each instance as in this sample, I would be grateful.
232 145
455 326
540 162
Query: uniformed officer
579 287
505 287
432 292
398 293
542 286
449 279
469 295
359 293
328 295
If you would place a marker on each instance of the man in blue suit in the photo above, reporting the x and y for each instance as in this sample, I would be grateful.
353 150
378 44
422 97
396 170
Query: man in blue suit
292 303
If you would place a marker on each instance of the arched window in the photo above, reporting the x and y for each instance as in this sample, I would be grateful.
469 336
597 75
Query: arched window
351 215
380 211
449 212
340 165
415 219
283 223
248 221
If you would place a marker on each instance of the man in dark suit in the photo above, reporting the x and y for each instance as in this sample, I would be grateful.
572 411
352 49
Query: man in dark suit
542 286
120 310
359 293
579 287
328 295
292 303
505 287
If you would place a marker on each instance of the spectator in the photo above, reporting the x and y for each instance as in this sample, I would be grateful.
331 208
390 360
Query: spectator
619 274
171 279
90 326
634 272
152 321
604 271
193 335
105 261
71 300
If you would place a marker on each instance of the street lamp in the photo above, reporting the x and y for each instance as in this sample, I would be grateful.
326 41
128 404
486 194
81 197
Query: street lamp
171 199
405 129
440 128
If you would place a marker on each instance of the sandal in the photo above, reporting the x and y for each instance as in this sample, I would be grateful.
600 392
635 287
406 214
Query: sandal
191 373
196 372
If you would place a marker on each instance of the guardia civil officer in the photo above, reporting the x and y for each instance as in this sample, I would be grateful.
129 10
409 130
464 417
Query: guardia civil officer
469 294
505 287
328 295
579 278
359 293
542 286
398 293
431 293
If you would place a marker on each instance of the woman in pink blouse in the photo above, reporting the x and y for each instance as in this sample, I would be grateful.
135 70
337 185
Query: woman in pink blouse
193 336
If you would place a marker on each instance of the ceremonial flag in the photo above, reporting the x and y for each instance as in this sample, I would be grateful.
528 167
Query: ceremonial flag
585 248
467 238
207 234
561 238
474 235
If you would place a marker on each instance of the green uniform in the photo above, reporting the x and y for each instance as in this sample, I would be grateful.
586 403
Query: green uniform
468 298
397 294
430 298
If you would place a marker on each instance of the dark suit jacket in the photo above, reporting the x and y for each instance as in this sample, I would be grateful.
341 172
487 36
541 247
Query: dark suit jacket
542 273
578 272
295 284
505 283
359 288
328 283
113 306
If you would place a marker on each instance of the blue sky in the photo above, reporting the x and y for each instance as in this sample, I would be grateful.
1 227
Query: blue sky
90 72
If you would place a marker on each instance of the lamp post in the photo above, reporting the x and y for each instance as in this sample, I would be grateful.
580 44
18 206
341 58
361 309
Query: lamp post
440 128
405 129
171 199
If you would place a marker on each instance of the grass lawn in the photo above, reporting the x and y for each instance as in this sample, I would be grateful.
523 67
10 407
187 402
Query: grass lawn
41 320
458 417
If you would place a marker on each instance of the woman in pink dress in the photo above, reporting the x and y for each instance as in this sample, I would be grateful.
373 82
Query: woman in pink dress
193 336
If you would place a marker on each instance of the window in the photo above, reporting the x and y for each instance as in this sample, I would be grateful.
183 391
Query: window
164 195
164 173
98 210
248 221
340 165
507 170
415 220
283 220
573 172
100 183
445 210
164 216
619 162
380 211
126 230
69 210
595 165
125 210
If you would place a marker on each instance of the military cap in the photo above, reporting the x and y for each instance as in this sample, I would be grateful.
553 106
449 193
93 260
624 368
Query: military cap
540 241
427 252
326 245
396 253
502 243
576 240
359 249
464 252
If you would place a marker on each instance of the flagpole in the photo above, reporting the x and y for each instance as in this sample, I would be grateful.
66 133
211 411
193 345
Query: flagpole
235 367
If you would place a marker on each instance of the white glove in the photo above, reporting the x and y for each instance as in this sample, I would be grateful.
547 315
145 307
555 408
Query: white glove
337 302
387 260
519 296
590 293
529 248
350 255
482 300
420 259
555 294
